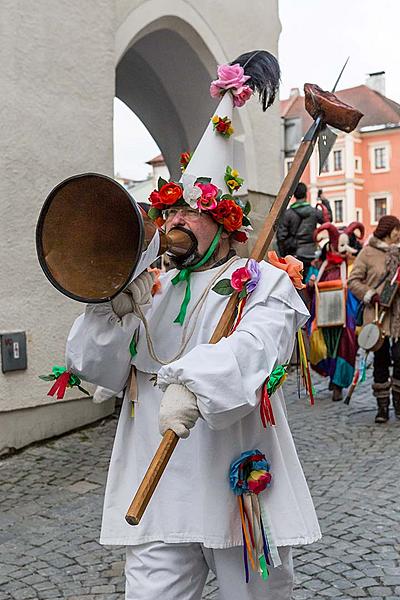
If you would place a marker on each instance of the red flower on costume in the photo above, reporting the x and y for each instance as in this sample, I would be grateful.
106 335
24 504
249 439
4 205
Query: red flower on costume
260 482
170 193
156 200
228 214
239 278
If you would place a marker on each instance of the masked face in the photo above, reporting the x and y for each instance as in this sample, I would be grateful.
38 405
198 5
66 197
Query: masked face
201 225
344 245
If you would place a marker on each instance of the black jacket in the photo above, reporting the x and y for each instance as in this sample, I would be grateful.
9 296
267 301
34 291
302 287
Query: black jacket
295 231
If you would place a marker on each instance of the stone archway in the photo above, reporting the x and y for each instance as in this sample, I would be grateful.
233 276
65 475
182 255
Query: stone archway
165 58
163 81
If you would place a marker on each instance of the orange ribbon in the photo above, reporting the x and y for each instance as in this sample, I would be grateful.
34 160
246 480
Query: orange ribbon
292 266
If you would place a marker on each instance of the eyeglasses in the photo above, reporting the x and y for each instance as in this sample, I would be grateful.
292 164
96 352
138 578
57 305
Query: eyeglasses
186 212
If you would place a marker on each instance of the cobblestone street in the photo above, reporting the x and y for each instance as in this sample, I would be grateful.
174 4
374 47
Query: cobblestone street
51 499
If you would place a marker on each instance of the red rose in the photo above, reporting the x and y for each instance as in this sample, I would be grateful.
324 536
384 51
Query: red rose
222 127
184 159
170 193
156 200
228 214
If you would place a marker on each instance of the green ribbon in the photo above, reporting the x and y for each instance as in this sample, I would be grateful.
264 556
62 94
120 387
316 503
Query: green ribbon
73 379
275 379
184 275
263 567
132 347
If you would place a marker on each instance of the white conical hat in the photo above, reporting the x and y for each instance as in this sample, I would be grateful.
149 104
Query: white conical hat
214 152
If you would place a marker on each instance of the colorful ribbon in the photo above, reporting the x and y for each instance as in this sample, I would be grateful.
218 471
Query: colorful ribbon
184 275
63 379
305 367
249 475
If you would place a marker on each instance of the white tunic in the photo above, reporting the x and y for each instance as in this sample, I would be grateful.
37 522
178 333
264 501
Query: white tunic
193 501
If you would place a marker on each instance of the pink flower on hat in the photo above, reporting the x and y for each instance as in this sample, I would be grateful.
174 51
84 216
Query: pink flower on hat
230 77
208 198
241 95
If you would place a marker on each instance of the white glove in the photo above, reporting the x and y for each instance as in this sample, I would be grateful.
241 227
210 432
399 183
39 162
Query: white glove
178 410
102 394
138 292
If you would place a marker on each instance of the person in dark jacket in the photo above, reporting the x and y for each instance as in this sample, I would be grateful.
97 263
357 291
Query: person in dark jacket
296 229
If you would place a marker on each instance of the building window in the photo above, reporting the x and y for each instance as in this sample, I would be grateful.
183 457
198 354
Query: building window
380 158
359 214
338 206
325 166
380 208
337 160
357 164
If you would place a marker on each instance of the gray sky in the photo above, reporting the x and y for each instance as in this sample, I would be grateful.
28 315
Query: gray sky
317 36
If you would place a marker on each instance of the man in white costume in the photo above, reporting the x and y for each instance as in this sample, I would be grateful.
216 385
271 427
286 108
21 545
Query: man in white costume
192 523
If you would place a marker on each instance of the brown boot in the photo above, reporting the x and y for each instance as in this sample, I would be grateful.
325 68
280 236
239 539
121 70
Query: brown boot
396 397
337 392
381 392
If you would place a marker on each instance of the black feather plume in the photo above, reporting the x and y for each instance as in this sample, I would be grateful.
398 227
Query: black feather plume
264 71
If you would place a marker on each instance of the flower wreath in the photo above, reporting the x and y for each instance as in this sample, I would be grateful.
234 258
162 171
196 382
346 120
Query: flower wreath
199 193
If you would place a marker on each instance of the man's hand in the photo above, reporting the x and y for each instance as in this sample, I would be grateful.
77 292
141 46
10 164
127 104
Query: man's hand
178 410
138 292
372 297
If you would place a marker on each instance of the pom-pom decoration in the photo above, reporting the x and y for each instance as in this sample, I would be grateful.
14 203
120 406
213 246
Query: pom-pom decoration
249 475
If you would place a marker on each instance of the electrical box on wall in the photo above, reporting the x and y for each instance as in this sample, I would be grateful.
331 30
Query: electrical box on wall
13 351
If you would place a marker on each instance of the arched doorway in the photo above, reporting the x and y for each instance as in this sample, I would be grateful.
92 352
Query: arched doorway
165 82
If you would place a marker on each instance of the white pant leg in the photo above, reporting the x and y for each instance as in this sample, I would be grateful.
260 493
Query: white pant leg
165 571
228 566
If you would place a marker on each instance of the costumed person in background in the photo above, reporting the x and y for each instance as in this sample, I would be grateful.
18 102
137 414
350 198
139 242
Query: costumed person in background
296 228
377 263
322 201
206 512
332 333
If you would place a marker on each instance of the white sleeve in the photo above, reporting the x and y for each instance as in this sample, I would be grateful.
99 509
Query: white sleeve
227 377
98 346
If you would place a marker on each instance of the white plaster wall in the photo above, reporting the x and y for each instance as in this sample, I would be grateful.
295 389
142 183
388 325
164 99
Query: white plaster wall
57 81
57 88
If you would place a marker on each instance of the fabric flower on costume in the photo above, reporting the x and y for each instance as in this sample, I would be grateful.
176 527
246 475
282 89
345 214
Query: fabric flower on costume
249 467
231 78
244 280
191 192
155 200
170 193
232 179
208 198
228 214
184 160
292 266
222 125
241 96
239 278
258 481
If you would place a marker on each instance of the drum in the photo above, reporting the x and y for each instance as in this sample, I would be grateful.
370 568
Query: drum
371 337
